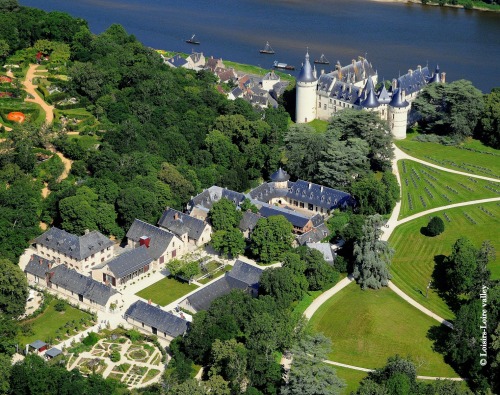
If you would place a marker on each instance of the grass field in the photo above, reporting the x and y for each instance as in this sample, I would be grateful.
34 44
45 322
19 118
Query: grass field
470 157
413 261
424 187
319 125
166 291
351 377
47 323
367 327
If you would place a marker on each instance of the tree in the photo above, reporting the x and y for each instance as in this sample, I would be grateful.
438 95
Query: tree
435 226
372 256
461 267
342 162
270 238
370 128
9 329
4 49
224 215
450 109
283 285
488 128
5 369
229 360
371 196
13 289
319 274
308 373
228 242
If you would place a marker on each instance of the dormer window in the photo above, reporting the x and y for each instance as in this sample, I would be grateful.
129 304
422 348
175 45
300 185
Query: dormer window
322 198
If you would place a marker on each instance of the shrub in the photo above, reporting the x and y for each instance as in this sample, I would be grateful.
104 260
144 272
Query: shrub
91 339
134 335
115 356
60 306
435 226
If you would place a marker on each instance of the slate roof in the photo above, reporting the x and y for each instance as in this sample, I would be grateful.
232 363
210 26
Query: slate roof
129 262
196 56
296 219
278 89
160 238
155 317
318 195
306 71
339 90
53 352
435 77
76 247
266 191
397 99
384 97
237 92
180 223
213 194
280 175
242 276
370 100
414 81
177 61
73 281
271 76
315 235
38 266
37 344
248 221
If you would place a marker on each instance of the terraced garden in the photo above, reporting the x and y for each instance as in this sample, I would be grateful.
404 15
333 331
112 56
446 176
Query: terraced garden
424 187
470 157
366 327
414 258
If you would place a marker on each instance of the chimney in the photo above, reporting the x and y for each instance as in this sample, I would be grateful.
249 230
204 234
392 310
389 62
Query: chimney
176 216
354 62
410 71
144 241
321 188
40 261
394 84
322 71
443 77
419 68
87 231
309 186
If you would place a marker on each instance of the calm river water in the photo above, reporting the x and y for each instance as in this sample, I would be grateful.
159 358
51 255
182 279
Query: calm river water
394 36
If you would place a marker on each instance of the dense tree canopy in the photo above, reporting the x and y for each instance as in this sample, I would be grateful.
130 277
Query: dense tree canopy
13 289
270 238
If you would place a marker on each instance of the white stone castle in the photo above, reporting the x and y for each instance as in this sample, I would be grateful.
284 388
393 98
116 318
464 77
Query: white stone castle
353 86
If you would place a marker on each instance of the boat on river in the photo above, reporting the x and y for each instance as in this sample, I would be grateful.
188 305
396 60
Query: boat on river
322 60
284 66
193 40
267 49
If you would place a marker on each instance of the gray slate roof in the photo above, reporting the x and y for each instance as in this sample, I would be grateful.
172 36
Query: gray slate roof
77 247
180 223
38 266
248 221
384 97
37 344
318 195
397 99
280 176
370 100
53 352
129 262
325 249
306 72
177 61
155 317
296 219
160 238
242 276
414 81
71 280
213 194
315 235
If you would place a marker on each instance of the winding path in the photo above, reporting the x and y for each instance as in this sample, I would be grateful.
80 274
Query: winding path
391 224
30 88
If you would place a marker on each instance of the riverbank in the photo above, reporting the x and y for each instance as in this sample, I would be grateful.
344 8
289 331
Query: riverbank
473 5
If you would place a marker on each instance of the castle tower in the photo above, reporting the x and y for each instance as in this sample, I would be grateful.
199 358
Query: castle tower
280 179
307 83
398 115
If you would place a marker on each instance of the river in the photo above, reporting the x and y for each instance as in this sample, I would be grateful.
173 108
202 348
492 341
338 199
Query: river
393 36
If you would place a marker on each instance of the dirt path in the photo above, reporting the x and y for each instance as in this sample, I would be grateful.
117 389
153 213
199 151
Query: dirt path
67 165
30 88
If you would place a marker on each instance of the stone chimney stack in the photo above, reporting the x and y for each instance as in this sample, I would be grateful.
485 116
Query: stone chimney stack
443 77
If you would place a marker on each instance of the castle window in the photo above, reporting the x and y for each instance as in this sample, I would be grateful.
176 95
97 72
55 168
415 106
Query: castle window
324 107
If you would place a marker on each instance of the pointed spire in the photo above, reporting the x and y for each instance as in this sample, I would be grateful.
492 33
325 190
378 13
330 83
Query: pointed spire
306 72
371 100
397 99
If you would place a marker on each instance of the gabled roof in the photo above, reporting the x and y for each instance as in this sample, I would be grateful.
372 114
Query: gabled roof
38 266
242 276
325 249
296 219
180 223
248 221
160 238
37 344
76 247
53 352
177 61
271 76
157 318
318 195
315 235
384 97
414 80
129 262
73 281
213 194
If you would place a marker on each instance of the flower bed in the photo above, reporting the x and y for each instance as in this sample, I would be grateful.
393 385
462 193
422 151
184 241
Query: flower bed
16 116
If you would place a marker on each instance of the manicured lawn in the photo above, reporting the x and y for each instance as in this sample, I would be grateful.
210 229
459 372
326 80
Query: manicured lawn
351 377
367 327
319 125
413 261
166 291
471 156
425 187
46 324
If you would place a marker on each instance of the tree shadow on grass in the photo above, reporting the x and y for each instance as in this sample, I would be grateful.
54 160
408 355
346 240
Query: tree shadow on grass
439 335
440 283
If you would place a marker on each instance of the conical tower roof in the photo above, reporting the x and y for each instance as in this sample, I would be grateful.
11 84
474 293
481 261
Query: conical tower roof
435 77
306 72
280 176
383 96
397 99
371 100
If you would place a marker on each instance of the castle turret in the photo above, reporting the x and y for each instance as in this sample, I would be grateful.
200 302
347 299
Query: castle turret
306 93
280 179
436 77
370 101
398 114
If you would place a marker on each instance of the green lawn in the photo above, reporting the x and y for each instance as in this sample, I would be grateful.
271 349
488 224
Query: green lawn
471 156
413 262
424 187
166 291
46 324
319 125
215 275
367 327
